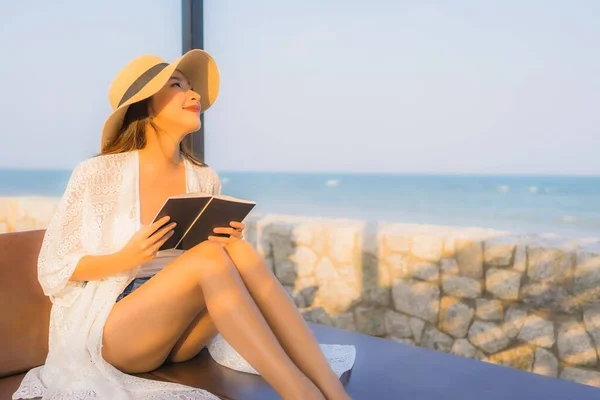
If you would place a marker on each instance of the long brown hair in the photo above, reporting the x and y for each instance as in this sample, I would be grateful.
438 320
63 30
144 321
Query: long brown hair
132 134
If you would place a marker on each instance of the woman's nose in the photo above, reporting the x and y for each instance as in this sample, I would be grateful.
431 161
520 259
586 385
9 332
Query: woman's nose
195 95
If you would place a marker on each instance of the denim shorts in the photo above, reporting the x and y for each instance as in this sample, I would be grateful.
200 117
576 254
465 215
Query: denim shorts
136 283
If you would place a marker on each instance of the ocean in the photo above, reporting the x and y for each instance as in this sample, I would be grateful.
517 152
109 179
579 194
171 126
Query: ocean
560 205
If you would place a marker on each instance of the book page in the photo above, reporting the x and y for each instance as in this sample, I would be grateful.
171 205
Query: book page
233 199
190 195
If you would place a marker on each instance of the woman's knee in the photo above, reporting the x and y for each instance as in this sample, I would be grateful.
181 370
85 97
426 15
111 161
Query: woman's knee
239 246
208 258
245 257
207 249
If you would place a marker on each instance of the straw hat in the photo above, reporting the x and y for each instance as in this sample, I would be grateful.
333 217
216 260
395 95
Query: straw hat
147 74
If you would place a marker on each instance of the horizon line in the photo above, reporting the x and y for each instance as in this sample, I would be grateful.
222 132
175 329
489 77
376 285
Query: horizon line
338 172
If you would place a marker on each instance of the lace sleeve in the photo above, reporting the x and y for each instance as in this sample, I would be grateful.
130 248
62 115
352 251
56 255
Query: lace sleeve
62 247
215 182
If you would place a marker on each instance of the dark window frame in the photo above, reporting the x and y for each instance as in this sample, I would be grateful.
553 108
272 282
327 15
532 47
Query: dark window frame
192 37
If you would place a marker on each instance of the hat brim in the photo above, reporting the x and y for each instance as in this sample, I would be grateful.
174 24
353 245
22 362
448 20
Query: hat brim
196 65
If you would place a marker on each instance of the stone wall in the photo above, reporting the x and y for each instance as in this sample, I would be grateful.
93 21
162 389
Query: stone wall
527 302
531 303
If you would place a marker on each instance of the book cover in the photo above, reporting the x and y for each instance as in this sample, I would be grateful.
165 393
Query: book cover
197 214
219 212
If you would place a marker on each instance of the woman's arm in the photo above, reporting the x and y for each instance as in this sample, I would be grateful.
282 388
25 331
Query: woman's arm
63 261
91 267
140 249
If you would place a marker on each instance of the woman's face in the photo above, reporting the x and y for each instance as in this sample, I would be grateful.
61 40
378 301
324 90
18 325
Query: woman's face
176 107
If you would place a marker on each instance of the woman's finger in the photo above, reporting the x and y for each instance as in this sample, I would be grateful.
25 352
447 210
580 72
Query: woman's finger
224 230
219 239
159 243
237 225
150 229
229 231
161 233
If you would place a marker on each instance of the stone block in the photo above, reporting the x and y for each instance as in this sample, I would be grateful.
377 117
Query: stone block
513 320
574 345
462 347
488 336
303 234
449 266
469 255
436 340
376 282
317 315
520 357
583 376
319 243
520 261
336 297
406 341
305 260
461 286
498 252
278 236
537 331
544 296
398 266
343 240
489 310
423 270
545 363
325 271
547 265
428 248
455 317
591 319
419 299
345 321
370 320
416 326
586 286
503 284
397 324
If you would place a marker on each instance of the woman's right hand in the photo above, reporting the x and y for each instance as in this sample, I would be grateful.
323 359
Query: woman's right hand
144 244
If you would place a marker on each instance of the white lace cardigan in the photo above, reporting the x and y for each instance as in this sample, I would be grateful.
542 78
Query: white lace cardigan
97 214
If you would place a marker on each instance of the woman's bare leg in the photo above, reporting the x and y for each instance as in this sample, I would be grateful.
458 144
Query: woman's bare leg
193 339
284 319
143 328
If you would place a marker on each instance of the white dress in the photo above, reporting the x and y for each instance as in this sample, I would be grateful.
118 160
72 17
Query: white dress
97 214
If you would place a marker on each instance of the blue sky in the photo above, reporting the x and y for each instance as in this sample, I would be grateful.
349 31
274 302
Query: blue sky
353 86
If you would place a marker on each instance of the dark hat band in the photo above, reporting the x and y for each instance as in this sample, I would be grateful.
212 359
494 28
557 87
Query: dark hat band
142 81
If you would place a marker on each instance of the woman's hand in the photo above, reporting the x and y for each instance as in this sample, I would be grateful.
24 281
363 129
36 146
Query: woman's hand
234 232
144 244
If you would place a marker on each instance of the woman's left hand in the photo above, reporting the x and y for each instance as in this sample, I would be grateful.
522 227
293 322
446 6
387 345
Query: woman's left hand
234 232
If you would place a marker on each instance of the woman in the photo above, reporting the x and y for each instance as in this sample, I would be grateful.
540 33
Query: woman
118 309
